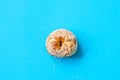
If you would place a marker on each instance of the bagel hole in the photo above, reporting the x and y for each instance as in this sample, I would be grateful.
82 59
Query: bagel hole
60 43
61 40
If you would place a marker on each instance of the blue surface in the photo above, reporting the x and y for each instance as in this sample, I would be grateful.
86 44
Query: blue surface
25 25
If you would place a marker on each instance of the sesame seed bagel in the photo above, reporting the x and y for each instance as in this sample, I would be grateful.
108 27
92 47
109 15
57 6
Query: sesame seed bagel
61 43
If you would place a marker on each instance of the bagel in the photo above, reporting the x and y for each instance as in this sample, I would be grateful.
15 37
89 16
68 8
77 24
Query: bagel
61 43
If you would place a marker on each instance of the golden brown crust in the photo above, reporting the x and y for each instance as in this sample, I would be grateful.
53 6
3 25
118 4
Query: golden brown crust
61 43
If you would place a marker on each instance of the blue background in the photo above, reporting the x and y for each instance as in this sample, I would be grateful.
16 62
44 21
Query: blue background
25 25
